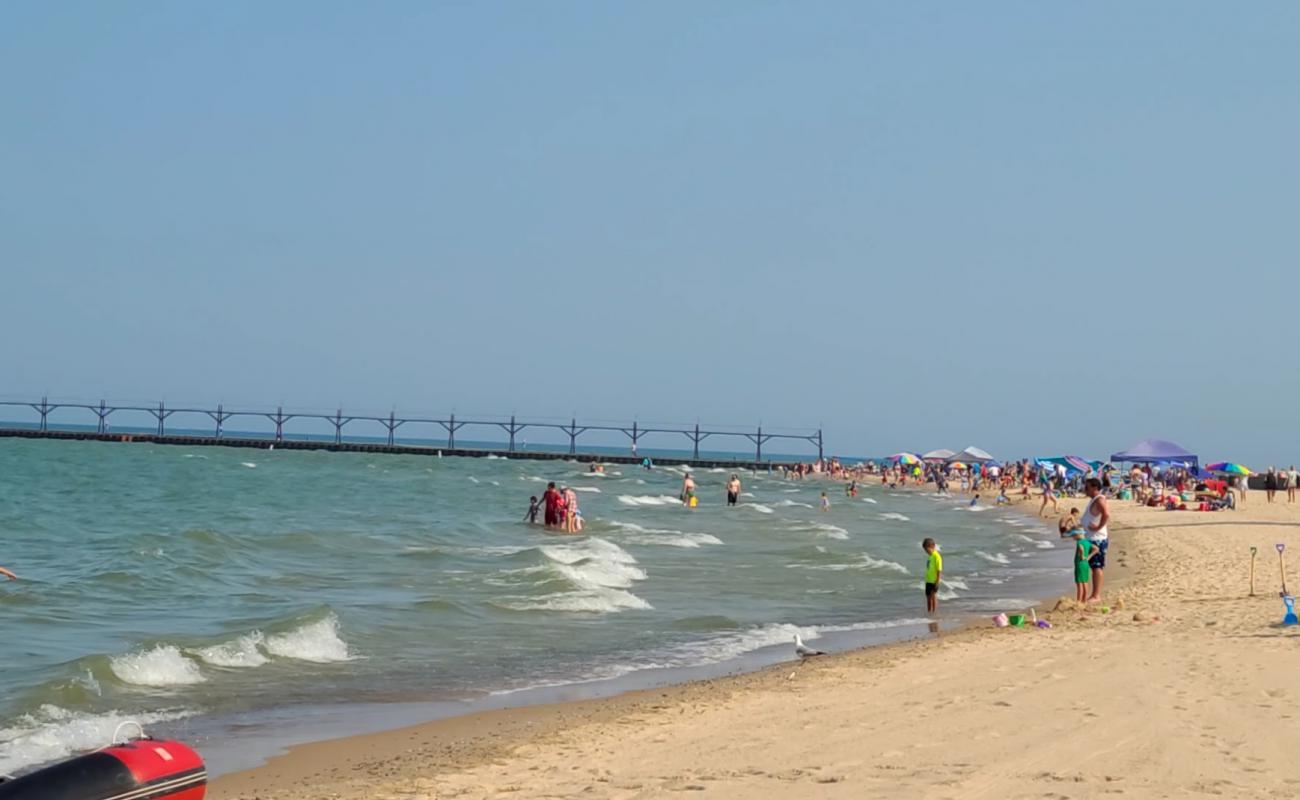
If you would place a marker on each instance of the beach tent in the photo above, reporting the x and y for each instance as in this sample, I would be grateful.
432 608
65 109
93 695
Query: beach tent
973 454
1156 451
938 455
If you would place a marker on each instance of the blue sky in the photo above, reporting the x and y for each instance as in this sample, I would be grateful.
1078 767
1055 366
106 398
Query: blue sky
1027 226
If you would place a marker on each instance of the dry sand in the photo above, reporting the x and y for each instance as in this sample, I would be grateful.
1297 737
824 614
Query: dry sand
1190 689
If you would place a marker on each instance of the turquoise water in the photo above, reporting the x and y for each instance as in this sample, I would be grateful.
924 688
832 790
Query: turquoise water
193 588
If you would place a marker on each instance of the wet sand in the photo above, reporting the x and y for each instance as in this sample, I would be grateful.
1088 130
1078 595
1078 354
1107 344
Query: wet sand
1185 690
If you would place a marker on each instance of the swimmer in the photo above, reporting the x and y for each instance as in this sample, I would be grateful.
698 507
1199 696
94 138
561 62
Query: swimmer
733 490
975 501
534 506
8 574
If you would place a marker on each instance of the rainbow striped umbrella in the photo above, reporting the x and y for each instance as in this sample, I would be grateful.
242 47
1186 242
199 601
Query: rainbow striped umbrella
957 465
1228 468
905 458
1079 463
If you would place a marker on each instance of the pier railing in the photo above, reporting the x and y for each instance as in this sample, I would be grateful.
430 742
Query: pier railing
632 432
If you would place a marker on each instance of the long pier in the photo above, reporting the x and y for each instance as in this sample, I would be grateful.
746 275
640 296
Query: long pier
100 415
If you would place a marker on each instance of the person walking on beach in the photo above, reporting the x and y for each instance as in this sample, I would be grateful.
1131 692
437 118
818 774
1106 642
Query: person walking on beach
1270 484
1049 494
1292 480
733 490
933 574
1096 516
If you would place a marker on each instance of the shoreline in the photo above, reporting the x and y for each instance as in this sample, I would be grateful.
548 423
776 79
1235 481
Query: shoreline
1155 698
477 736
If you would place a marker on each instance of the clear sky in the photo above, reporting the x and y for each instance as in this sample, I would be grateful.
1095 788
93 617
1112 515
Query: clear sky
1033 227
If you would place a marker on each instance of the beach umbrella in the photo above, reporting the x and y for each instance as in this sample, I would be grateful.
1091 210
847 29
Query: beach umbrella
1078 463
1228 468
905 458
957 465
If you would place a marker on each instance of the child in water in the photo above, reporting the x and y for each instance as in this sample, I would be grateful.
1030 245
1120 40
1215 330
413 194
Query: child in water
826 502
534 506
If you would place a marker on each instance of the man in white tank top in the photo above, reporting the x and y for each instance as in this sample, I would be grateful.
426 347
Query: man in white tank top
1095 518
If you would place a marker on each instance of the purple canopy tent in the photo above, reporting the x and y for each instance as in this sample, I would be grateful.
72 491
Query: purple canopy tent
1155 451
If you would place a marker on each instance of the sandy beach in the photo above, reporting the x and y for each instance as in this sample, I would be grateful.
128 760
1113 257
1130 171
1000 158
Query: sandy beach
1185 688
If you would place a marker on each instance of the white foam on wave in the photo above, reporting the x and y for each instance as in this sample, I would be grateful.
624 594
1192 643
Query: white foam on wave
759 507
532 478
977 508
586 489
663 537
648 500
869 500
746 494
240 653
52 733
865 561
956 583
318 642
193 455
601 573
163 665
823 529
894 515
999 558
791 504
472 479
248 464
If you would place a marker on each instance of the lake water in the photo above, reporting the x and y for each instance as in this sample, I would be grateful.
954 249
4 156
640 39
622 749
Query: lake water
196 589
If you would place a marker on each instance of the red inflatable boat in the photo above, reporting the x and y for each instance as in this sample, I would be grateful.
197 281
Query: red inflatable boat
143 769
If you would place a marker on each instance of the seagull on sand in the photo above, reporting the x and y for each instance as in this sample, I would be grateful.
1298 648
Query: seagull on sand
804 651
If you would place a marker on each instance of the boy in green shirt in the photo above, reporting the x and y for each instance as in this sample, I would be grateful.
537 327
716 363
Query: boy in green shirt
1082 570
933 574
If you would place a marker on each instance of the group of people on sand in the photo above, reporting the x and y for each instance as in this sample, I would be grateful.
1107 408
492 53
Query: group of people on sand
558 507
1091 536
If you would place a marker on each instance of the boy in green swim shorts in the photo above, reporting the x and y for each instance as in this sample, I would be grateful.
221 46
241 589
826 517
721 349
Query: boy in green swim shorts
1082 571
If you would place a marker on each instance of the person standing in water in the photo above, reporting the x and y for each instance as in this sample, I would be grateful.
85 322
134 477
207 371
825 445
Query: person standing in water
733 490
570 510
552 499
688 489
